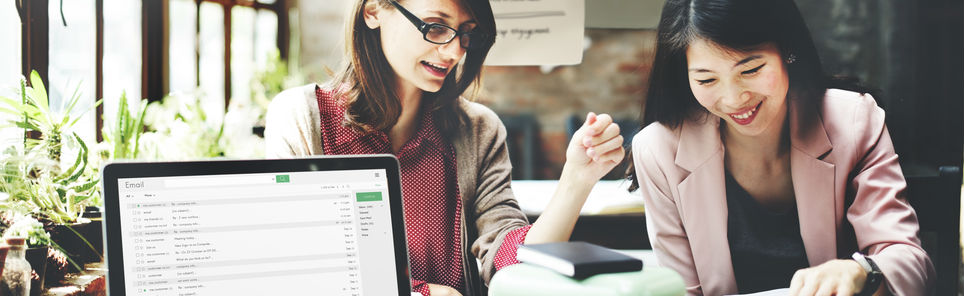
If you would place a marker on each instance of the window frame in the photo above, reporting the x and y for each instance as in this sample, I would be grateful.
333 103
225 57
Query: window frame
35 45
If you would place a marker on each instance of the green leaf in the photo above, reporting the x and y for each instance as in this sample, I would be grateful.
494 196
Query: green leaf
10 102
80 198
83 158
27 125
87 186
120 119
67 173
139 127
11 112
39 90
72 102
81 115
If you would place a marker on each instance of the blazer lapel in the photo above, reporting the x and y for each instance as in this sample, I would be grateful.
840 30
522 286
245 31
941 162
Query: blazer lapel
703 202
813 182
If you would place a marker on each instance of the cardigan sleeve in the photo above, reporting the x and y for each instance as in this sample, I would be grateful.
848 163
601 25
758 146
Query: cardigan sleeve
495 210
885 224
292 124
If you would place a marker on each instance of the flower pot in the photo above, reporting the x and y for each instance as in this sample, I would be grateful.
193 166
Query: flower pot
38 261
71 238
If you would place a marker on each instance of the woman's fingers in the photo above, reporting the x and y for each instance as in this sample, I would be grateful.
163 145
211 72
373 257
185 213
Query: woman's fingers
610 132
845 290
796 283
596 124
826 288
614 156
614 144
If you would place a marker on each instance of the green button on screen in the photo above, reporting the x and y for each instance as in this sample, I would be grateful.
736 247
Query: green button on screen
282 179
368 196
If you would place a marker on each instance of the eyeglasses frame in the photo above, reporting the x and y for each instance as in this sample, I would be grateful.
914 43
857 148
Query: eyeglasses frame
424 27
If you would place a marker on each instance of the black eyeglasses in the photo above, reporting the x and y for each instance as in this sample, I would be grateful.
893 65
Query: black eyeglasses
441 34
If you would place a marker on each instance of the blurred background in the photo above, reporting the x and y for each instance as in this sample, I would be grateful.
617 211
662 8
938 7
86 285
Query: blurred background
195 76
234 55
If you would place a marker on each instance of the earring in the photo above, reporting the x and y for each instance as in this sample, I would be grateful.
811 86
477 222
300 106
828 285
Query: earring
791 58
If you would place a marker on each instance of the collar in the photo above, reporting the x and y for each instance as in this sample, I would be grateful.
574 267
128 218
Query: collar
426 132
700 139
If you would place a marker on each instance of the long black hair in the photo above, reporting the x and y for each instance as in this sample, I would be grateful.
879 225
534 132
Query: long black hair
742 25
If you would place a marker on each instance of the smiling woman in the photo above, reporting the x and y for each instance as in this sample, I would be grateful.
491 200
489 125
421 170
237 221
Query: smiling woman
749 150
400 93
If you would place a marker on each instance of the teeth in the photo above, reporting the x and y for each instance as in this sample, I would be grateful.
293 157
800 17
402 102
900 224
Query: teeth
440 68
745 115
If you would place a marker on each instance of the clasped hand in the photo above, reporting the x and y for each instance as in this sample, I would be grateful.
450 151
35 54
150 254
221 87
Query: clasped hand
596 148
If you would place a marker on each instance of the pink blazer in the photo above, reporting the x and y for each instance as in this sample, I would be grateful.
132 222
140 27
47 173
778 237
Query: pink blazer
840 152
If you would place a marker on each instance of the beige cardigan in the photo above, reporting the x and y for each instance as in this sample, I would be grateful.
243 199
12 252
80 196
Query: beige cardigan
293 129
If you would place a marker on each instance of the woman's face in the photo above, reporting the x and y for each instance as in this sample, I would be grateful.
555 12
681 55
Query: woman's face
748 90
417 62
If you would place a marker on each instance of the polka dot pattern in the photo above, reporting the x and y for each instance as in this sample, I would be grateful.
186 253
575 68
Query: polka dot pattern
429 189
507 251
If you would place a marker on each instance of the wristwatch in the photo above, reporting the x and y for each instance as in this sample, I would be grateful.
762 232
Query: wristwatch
874 276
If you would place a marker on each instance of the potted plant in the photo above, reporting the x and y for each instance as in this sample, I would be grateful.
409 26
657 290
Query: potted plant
37 177
38 242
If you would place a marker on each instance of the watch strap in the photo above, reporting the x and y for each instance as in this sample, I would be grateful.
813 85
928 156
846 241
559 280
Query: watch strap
874 276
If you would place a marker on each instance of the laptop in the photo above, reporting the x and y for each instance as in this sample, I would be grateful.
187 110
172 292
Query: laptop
313 226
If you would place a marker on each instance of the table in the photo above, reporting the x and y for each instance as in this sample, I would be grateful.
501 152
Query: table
611 217
525 279
608 197
91 281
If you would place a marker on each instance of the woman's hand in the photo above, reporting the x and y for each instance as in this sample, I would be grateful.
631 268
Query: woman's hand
836 277
595 149
442 290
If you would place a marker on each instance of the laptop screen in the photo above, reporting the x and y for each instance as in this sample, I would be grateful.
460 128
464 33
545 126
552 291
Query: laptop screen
278 233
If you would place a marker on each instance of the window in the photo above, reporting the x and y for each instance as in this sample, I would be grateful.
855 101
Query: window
224 42
72 61
182 54
10 71
122 53
109 47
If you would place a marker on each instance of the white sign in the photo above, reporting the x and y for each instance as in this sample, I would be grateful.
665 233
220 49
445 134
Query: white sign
538 32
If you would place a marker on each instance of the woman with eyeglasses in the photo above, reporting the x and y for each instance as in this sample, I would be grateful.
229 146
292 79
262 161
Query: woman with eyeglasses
759 171
400 93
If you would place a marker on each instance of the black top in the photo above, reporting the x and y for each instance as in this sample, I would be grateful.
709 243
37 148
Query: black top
766 247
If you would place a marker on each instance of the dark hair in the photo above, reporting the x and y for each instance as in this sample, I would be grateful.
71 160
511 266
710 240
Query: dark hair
741 25
368 81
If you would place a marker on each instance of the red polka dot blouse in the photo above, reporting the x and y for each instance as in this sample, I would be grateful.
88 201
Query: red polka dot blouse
430 190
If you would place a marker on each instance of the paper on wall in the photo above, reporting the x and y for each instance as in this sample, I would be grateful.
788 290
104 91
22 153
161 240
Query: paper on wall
538 32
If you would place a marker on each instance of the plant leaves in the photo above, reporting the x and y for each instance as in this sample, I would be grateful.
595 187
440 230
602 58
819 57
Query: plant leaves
39 90
85 187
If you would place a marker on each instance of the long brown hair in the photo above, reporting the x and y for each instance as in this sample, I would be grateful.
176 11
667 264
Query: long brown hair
367 81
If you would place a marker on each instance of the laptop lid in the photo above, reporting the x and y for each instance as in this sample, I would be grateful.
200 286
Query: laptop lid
314 226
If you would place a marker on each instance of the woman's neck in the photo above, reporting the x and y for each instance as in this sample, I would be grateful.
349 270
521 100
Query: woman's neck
410 98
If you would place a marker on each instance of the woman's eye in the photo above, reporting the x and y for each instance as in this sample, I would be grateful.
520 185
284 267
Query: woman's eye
754 70
705 81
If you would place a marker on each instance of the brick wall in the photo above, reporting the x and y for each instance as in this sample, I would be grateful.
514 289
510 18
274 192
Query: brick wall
611 79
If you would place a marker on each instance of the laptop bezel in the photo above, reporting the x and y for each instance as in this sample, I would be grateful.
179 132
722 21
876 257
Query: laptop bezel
118 170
